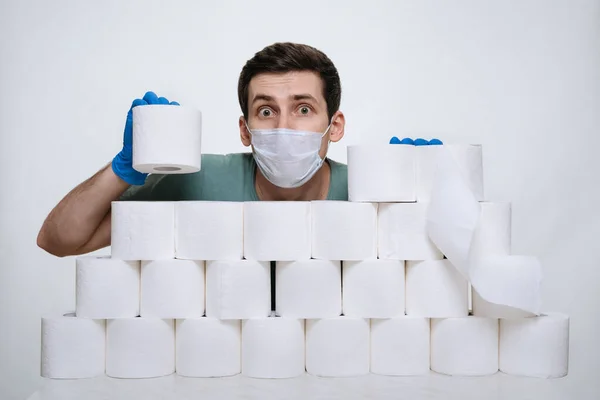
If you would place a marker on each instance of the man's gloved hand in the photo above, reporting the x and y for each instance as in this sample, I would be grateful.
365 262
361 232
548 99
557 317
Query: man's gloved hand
122 163
416 142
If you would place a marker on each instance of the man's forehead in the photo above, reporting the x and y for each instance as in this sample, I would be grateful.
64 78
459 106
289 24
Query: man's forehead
286 86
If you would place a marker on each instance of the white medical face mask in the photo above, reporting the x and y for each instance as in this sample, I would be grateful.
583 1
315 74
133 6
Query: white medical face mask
288 158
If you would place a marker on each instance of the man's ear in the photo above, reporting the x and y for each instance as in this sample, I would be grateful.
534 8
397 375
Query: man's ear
244 134
338 123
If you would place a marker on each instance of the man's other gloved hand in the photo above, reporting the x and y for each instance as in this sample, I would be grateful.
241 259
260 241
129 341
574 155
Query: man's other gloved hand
416 142
122 163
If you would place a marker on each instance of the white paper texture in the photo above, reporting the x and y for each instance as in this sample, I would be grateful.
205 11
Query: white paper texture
464 346
107 288
337 347
343 230
172 289
373 288
143 230
402 232
72 348
277 230
535 347
308 289
238 289
381 173
209 230
208 347
273 347
400 346
140 347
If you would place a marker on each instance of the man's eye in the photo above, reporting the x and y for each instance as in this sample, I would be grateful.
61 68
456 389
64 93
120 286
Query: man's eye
304 110
265 112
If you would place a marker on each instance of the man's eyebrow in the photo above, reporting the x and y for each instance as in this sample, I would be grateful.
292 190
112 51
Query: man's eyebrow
304 96
261 96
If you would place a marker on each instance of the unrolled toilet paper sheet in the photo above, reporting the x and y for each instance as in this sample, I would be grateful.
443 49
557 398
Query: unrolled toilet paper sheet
166 139
72 348
454 220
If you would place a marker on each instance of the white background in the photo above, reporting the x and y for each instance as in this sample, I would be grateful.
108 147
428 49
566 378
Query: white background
520 77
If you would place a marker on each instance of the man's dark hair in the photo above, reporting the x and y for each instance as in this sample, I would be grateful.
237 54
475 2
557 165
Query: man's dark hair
287 57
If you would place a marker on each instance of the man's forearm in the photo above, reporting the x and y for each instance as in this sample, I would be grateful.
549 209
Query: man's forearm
74 220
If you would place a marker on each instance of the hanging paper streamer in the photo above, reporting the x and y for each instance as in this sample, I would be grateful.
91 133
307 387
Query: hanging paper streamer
510 283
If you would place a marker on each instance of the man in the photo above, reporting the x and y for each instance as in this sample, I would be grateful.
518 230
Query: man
289 95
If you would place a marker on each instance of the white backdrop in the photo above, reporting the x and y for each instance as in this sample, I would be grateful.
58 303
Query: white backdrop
520 77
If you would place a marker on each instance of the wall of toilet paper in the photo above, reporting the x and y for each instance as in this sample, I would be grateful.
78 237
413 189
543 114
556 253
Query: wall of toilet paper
379 284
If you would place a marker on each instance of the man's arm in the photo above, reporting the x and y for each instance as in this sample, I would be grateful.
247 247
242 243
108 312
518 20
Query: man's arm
80 223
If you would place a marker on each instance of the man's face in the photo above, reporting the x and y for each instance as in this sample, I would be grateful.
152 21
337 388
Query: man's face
291 100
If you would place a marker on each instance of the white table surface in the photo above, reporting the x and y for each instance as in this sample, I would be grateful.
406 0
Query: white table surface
432 386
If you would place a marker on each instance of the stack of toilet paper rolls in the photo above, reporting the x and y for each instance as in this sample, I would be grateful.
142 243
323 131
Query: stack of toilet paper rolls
359 288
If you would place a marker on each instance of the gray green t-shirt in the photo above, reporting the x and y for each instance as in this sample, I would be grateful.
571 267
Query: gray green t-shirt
227 177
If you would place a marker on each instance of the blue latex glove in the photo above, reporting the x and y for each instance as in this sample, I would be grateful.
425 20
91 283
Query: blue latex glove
434 142
407 141
421 142
122 163
395 140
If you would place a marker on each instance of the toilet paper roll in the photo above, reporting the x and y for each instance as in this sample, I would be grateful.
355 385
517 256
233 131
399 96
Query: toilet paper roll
143 230
308 289
207 347
209 230
72 348
107 288
238 289
373 288
381 173
273 347
337 347
344 231
435 289
400 346
277 230
464 346
172 289
456 223
468 158
140 347
535 347
167 139
402 232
